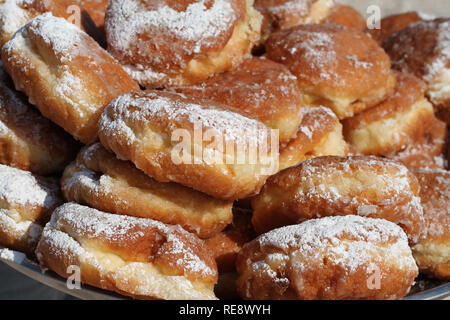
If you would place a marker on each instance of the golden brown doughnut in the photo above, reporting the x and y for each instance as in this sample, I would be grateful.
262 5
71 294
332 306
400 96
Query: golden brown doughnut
194 142
336 67
29 141
330 186
332 258
64 73
319 134
347 16
164 43
392 124
392 24
98 179
282 14
427 151
27 201
423 49
138 257
433 253
263 89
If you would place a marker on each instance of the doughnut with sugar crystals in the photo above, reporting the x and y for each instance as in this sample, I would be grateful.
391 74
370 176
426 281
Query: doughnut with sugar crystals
347 16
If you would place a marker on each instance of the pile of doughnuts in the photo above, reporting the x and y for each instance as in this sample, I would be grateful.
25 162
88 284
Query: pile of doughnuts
204 149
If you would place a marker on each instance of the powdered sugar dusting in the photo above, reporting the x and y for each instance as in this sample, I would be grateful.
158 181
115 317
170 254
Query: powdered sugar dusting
13 15
13 256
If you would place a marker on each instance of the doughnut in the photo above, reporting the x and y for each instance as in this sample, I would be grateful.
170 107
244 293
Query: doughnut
423 49
336 67
137 257
392 24
333 258
433 253
264 89
282 14
348 17
427 151
100 180
65 74
27 204
167 43
389 126
231 156
29 141
319 134
96 10
336 186
16 13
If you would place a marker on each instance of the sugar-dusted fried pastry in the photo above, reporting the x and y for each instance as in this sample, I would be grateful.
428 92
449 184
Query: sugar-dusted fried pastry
27 201
29 141
433 253
319 134
98 179
332 258
263 89
64 73
347 16
138 257
164 43
391 125
423 50
194 142
427 151
392 24
330 186
336 67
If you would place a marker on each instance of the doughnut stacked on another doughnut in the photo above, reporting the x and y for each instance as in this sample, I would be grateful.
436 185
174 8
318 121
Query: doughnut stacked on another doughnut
138 257
433 253
27 202
347 16
336 67
165 43
329 186
64 73
319 134
170 138
388 127
423 49
262 89
97 178
29 141
347 257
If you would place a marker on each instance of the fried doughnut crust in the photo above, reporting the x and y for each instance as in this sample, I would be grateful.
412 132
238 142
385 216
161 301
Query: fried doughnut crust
98 179
433 253
165 43
332 258
29 141
146 127
262 89
336 67
27 201
65 74
137 257
347 16
329 186
392 124
393 24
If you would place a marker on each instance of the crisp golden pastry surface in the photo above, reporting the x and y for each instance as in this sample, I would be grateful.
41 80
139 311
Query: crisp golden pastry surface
393 24
262 89
29 141
347 17
163 43
138 257
391 125
64 73
423 49
157 131
433 253
328 186
346 257
26 203
336 67
97 178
